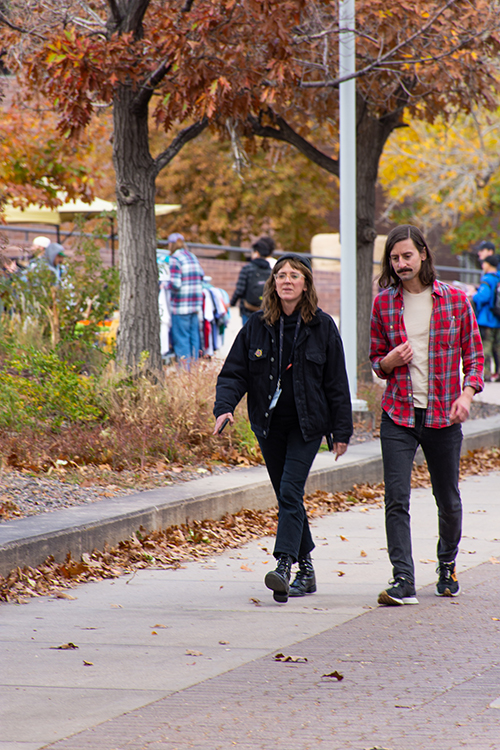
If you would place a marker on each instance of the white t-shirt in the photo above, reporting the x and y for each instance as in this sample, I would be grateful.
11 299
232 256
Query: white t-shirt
417 319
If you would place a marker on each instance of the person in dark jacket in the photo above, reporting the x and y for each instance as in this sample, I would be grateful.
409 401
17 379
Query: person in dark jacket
289 359
259 266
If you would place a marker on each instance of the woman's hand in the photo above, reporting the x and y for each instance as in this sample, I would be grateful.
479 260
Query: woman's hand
339 449
220 421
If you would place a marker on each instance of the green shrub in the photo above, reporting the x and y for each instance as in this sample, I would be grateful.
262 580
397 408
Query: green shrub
50 412
37 388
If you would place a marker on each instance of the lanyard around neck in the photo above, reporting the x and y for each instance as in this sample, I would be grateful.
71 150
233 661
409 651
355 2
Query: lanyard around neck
282 336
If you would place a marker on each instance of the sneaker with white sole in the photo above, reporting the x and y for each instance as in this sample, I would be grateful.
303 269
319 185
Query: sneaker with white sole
402 591
447 584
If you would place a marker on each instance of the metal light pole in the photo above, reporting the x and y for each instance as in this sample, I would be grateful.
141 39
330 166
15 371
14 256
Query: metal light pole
348 281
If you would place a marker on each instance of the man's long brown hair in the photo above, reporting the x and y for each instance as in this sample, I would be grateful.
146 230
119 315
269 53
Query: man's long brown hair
388 276
271 303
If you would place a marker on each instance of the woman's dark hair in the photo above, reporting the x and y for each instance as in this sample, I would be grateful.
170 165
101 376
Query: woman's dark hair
271 303
388 276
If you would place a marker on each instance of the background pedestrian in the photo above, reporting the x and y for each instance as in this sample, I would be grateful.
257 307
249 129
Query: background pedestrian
186 299
489 322
253 276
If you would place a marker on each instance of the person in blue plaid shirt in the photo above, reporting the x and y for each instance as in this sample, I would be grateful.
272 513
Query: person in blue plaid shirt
186 299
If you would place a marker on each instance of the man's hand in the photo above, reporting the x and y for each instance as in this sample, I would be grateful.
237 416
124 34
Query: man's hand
461 407
339 449
220 420
400 355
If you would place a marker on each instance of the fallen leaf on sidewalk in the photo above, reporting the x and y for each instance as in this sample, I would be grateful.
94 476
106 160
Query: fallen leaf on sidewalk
159 626
494 561
344 538
340 573
334 675
173 547
290 659
363 553
497 619
88 663
116 606
426 561
65 647
257 602
245 567
64 595
224 643
153 632
190 652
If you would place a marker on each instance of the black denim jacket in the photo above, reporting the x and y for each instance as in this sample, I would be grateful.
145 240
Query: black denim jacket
320 381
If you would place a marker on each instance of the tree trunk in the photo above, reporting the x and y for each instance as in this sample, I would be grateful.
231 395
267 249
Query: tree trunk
139 331
371 136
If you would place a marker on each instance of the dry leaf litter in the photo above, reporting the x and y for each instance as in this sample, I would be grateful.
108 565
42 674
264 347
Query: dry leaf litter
198 540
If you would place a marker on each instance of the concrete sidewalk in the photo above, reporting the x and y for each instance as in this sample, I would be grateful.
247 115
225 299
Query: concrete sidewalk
175 659
29 541
183 658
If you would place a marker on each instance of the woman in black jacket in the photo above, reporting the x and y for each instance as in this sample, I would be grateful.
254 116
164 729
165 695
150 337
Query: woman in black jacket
289 359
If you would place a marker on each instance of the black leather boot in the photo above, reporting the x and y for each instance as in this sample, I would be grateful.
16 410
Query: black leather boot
305 580
279 580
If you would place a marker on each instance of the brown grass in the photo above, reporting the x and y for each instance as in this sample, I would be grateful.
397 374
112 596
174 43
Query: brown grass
169 419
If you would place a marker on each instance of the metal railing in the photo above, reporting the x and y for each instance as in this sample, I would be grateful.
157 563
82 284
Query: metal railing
198 248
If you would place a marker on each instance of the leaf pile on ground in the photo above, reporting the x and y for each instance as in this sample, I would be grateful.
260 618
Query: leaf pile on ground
177 545
172 547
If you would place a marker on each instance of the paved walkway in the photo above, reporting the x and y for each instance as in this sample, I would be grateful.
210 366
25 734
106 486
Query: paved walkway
170 660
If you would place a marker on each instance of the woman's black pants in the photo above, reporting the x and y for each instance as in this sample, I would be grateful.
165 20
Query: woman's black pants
288 459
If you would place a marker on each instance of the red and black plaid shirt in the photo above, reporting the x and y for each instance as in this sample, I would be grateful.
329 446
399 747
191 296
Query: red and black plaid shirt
453 335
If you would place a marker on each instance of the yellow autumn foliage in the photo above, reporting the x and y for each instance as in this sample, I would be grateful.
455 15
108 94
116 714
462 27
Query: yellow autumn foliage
442 173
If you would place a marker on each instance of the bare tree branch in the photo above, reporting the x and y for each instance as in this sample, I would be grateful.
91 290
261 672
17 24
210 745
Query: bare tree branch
383 58
283 132
97 19
147 90
14 27
186 135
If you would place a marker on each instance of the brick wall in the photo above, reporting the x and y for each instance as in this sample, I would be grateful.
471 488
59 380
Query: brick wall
225 273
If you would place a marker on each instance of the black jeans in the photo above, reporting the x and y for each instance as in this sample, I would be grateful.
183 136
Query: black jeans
288 460
441 449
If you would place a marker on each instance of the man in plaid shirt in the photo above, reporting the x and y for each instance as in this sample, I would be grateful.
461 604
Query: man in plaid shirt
186 299
420 330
